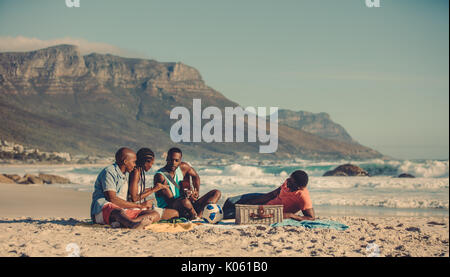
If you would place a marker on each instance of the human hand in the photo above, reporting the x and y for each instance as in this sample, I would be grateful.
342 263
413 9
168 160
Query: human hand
194 195
160 186
147 205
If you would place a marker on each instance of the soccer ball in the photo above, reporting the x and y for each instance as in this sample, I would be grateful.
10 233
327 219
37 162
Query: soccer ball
212 213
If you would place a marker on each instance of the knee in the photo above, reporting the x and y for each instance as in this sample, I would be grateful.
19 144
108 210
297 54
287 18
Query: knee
154 216
170 213
186 203
117 212
216 193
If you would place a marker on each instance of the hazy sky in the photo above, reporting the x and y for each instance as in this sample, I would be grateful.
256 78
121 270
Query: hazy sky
382 73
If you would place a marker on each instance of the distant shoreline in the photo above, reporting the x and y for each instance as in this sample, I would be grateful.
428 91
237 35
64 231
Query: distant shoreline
41 193
51 164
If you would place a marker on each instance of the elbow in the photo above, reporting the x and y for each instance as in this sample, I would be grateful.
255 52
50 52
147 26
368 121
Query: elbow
134 198
112 200
286 215
195 176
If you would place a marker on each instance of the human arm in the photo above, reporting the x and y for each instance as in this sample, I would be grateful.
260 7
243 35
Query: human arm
111 184
189 172
263 199
134 187
160 182
112 197
308 214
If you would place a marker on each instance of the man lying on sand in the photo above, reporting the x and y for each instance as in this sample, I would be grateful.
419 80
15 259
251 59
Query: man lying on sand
109 204
177 174
137 192
292 194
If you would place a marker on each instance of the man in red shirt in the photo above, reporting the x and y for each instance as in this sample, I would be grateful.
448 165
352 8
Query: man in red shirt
292 194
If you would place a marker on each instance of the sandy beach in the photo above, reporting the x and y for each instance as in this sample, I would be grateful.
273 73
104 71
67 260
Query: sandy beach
42 221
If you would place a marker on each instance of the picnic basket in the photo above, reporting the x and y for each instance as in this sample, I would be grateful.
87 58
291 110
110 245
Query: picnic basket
259 214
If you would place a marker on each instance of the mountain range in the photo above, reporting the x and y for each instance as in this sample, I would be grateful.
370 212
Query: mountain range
59 100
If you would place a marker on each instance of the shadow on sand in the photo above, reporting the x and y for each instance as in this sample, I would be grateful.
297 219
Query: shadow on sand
63 221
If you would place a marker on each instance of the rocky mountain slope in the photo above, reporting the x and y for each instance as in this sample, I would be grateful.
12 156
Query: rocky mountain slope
58 100
315 123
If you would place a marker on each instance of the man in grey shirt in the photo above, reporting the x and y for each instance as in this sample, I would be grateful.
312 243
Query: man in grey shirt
109 204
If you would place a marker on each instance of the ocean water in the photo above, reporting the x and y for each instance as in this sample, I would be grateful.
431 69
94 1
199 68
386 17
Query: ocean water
381 194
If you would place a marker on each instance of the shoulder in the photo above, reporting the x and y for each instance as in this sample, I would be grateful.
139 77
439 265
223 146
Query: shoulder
160 172
185 166
135 174
159 176
304 194
107 171
283 187
114 170
110 168
108 179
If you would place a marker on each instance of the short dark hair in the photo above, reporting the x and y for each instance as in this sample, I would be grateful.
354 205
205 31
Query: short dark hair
300 178
174 150
122 154
143 155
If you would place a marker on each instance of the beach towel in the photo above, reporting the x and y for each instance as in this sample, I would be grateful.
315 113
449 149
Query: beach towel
326 224
174 220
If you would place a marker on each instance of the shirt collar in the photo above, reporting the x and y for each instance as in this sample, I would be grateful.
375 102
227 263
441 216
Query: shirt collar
119 173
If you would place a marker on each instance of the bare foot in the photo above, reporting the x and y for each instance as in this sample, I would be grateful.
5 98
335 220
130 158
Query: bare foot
193 215
141 224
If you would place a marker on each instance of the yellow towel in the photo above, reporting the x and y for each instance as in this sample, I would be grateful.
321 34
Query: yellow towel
170 227
159 228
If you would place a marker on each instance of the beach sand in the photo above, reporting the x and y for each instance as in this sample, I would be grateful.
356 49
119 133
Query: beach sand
44 221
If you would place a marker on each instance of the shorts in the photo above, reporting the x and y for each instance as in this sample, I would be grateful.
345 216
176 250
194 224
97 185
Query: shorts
103 216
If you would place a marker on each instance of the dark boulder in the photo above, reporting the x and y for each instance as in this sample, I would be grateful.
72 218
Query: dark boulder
347 170
406 175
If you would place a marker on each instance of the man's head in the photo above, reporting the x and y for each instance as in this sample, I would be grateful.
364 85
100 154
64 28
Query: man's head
173 159
145 158
126 158
298 180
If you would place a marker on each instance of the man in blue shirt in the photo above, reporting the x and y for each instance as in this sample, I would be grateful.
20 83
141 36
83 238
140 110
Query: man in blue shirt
109 204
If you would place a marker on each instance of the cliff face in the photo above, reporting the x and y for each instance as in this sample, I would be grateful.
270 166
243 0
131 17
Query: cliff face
58 100
62 69
315 123
48 70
